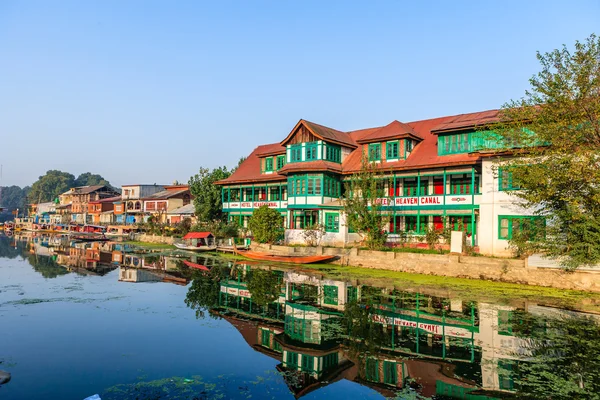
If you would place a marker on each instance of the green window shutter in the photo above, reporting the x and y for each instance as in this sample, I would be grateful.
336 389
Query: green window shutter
266 336
292 359
391 150
375 152
372 370
269 164
332 222
352 294
308 363
390 375
311 151
331 295
280 162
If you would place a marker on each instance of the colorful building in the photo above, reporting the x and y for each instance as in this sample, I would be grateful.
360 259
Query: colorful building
434 173
131 207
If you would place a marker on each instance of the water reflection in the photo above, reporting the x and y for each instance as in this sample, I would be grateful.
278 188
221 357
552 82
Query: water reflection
398 341
323 330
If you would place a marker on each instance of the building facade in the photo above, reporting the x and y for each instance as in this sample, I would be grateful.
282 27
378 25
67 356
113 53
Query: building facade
434 173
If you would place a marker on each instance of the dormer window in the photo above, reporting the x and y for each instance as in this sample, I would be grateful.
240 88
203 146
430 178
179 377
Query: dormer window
280 162
269 164
375 152
311 151
392 150
296 153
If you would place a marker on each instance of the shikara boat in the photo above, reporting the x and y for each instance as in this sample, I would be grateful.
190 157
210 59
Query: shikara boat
256 255
197 241
90 238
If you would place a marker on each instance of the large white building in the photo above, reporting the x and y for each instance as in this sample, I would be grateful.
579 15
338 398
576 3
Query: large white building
434 173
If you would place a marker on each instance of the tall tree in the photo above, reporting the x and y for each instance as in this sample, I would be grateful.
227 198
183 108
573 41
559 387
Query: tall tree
266 225
87 178
554 133
49 186
362 204
13 197
207 195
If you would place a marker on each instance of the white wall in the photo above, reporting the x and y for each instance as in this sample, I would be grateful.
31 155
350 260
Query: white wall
493 204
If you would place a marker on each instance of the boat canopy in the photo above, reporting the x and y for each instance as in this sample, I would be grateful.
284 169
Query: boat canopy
198 235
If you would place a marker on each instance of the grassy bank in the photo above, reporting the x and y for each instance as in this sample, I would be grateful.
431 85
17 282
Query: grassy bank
466 289
150 245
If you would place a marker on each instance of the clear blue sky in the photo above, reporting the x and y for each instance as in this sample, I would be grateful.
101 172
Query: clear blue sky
149 91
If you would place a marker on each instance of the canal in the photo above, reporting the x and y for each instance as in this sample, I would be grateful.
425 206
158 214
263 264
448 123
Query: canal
131 322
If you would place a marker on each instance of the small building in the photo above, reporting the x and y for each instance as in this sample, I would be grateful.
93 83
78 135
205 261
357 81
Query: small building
160 203
82 196
104 207
131 208
179 214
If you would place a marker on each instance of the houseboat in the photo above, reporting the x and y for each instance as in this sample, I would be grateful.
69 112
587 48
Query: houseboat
197 241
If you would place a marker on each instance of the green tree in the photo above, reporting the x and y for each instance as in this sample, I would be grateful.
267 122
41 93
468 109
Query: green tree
564 358
90 179
203 293
266 225
50 185
207 196
264 285
362 204
557 155
13 197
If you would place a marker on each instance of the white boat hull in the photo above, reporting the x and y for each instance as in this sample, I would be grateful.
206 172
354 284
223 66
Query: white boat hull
195 248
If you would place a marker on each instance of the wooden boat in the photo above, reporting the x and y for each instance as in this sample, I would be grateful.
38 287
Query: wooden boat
90 238
197 241
256 255
196 266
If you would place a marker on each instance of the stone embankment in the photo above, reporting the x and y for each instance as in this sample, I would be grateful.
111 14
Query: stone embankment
451 265
142 237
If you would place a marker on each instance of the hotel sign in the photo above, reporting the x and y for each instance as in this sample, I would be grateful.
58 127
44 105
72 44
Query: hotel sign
247 205
425 201
435 329
236 292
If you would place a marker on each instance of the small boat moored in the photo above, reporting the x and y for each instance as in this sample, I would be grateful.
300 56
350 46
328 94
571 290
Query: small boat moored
197 241
256 255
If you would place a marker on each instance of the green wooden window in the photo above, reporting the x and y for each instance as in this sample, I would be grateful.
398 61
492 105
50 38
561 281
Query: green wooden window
375 151
505 180
311 150
411 224
313 185
296 153
330 361
454 144
463 185
508 225
266 337
277 346
372 370
308 363
332 222
291 359
280 162
352 294
333 153
332 186
269 164
505 318
408 147
462 222
411 188
331 295
274 193
390 374
506 375
392 149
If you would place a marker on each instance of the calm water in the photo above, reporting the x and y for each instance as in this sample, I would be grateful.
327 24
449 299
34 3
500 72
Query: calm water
132 323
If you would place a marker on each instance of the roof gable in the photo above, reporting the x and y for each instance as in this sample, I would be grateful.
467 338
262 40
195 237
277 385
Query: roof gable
393 130
321 132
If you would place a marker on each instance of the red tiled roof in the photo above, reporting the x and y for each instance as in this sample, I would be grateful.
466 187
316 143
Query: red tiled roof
468 121
324 133
249 170
271 150
424 154
393 130
319 165
198 235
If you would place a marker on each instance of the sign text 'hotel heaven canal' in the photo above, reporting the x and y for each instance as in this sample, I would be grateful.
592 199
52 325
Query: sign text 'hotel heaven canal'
425 200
